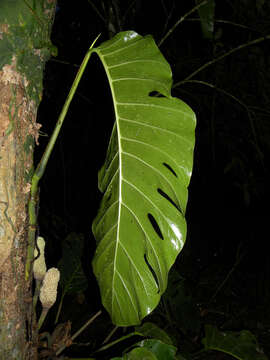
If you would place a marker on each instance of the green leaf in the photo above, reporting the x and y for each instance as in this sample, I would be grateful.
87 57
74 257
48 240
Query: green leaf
139 354
207 16
181 357
152 330
140 227
159 349
150 349
182 304
242 345
72 277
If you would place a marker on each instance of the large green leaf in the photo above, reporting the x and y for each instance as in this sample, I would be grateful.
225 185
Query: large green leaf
140 227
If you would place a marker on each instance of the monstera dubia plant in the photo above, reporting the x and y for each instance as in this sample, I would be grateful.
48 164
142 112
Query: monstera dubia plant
140 226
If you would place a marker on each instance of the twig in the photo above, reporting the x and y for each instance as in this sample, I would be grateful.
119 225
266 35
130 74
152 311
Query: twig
236 263
105 347
251 122
211 62
77 333
97 11
181 20
127 11
227 22
110 334
168 15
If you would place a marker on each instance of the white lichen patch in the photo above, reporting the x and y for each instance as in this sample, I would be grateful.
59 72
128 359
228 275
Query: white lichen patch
33 126
2 232
27 188
10 75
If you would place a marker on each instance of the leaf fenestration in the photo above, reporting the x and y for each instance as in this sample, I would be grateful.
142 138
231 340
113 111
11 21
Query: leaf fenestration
138 231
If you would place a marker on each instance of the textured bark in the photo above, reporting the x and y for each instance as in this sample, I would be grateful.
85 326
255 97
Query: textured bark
19 98
13 200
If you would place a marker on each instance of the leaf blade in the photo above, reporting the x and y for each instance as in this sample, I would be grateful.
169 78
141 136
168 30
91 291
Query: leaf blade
241 345
140 227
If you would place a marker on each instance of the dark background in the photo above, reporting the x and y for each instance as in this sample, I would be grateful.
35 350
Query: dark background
225 262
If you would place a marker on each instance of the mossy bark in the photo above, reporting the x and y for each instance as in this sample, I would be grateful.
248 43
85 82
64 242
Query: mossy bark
25 27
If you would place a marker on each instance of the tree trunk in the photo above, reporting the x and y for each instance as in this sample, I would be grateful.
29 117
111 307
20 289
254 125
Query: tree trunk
25 27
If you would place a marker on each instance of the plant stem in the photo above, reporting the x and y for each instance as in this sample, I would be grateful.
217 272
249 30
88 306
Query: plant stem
97 11
249 113
236 263
43 163
105 347
110 334
36 294
42 316
59 308
211 62
181 20
77 333
44 160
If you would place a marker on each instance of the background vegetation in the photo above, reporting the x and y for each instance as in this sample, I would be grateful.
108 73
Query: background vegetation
222 276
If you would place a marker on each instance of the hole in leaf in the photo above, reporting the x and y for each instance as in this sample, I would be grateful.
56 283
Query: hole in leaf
155 226
171 170
152 271
162 193
156 94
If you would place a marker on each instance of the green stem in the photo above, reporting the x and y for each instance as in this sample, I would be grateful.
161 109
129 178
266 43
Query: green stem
110 334
36 294
105 347
44 160
43 163
42 317
59 308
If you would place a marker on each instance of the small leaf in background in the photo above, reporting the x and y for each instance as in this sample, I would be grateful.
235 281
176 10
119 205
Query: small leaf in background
159 349
259 5
207 16
139 354
152 330
182 304
240 344
181 357
72 278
